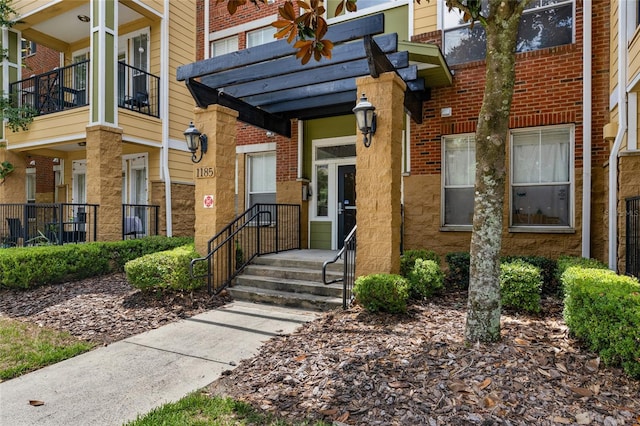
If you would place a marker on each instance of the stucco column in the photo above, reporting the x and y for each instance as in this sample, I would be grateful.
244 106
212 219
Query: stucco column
378 178
104 179
215 173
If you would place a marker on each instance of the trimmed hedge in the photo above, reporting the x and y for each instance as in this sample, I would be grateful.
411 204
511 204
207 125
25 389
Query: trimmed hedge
425 279
382 292
548 268
28 267
520 286
409 257
603 309
165 269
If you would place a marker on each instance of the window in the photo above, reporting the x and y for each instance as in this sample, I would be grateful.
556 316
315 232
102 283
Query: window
31 185
261 169
541 177
544 23
28 48
260 36
459 166
223 46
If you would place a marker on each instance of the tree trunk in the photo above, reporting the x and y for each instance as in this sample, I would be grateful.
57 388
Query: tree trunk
483 311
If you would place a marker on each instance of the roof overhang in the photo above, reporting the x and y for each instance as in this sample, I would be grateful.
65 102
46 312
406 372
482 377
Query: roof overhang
268 85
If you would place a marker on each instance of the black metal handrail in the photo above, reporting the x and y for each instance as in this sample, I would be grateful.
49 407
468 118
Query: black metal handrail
47 223
261 229
348 250
139 220
56 90
632 254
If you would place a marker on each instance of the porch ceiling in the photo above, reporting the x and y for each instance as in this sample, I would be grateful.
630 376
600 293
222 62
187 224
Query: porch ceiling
268 85
58 26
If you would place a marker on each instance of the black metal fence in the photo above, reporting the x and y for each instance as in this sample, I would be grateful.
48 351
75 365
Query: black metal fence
633 236
57 90
138 90
41 223
261 229
139 220
68 87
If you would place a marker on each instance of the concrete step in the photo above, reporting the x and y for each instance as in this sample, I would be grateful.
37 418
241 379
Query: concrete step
289 285
294 273
284 298
287 260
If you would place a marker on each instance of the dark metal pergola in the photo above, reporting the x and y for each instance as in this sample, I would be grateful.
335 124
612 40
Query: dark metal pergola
268 86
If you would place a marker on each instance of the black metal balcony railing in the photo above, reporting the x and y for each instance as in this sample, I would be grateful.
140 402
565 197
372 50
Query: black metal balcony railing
139 220
53 91
633 236
38 224
68 87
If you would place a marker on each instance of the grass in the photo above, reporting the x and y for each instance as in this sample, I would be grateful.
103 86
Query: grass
200 409
26 347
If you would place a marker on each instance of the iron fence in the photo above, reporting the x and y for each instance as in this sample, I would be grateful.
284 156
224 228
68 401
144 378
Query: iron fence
261 229
139 220
47 223
56 90
138 90
633 236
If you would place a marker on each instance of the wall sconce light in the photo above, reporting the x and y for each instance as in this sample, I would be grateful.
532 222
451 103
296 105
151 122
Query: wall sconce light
194 139
366 119
32 162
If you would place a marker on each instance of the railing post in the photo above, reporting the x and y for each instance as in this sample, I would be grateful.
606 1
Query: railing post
277 209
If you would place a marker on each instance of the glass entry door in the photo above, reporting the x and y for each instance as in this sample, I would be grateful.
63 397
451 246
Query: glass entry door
346 201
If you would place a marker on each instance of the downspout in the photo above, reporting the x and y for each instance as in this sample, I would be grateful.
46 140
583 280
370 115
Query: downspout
205 36
586 128
300 148
622 128
164 107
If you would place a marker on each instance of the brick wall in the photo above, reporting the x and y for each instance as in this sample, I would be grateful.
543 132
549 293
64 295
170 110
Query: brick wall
45 59
548 91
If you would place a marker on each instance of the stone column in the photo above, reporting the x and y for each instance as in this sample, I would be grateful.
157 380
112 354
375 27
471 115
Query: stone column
12 190
215 173
104 179
378 178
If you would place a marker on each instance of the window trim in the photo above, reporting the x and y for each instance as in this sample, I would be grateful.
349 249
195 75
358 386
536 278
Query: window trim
248 191
443 225
570 228
213 42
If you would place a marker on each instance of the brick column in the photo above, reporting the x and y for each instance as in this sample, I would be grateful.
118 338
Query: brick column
378 178
218 168
104 179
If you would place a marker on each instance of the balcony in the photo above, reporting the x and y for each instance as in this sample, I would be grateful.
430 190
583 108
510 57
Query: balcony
67 88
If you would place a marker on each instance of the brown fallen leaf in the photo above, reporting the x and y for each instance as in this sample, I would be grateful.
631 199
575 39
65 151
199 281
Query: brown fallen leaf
583 392
485 383
300 358
488 402
343 417
521 342
330 412
397 385
562 420
35 402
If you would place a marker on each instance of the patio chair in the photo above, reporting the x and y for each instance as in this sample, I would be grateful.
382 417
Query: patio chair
139 101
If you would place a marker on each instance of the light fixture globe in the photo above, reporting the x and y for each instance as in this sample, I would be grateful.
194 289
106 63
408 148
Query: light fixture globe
195 140
365 119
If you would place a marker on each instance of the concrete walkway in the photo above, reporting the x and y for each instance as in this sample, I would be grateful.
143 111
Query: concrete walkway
114 384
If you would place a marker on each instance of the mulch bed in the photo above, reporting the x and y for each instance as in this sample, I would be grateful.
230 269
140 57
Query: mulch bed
357 368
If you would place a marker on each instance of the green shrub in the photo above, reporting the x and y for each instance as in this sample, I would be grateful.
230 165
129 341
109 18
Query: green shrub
409 257
457 277
520 286
165 269
565 262
27 267
425 279
382 292
603 309
547 270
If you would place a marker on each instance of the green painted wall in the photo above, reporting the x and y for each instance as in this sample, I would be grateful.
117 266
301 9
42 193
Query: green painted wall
396 20
320 235
322 128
